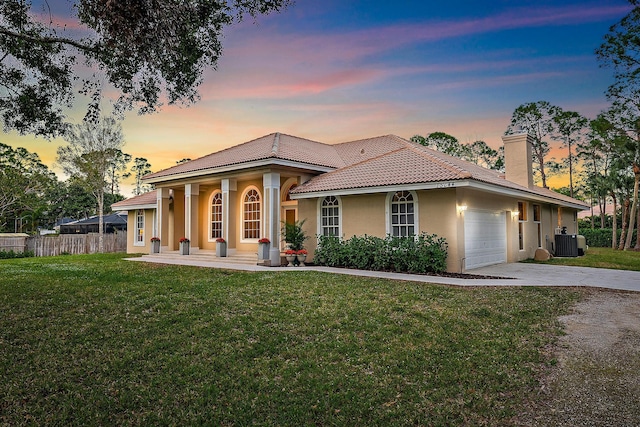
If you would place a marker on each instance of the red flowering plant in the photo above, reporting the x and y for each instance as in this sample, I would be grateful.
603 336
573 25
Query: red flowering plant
220 240
184 240
290 252
302 252
155 239
264 240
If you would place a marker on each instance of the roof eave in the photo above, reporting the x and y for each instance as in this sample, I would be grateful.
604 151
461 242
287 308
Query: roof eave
471 183
239 167
136 207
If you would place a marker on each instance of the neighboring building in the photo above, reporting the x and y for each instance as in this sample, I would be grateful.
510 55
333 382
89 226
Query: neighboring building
111 223
376 186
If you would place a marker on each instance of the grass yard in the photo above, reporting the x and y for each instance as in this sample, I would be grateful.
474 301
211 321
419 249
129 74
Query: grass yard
96 340
601 258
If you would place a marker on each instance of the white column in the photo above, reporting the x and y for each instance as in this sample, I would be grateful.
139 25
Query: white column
271 185
191 220
228 186
162 217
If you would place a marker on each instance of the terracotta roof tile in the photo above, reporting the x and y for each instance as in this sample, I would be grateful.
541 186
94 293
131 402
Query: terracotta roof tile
372 162
149 198
412 163
274 145
358 151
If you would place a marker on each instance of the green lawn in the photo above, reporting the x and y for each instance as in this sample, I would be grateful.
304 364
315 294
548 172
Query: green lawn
96 340
601 258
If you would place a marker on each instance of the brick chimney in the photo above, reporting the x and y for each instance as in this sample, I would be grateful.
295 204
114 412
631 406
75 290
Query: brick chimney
517 159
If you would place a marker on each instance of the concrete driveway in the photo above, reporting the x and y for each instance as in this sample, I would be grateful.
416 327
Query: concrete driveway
515 274
557 275
521 274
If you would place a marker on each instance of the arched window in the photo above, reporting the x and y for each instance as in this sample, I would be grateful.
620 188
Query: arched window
403 215
287 198
139 227
330 216
216 215
251 215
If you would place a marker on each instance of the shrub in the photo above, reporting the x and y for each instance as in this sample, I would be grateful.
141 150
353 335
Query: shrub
601 237
425 253
11 254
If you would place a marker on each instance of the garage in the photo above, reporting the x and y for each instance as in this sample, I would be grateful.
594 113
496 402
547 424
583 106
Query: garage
485 238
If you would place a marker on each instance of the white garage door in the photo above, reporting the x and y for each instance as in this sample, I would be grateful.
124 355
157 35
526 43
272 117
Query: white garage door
485 238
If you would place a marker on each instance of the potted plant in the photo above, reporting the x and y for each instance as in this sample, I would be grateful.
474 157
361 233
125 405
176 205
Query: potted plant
221 247
264 245
294 235
301 256
184 246
290 255
155 245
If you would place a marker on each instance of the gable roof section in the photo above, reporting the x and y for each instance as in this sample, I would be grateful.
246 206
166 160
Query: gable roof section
272 146
143 201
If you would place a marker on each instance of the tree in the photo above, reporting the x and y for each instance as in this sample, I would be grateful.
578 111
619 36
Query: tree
570 126
444 143
24 183
148 50
117 170
621 51
72 199
477 152
91 152
535 118
140 168
481 154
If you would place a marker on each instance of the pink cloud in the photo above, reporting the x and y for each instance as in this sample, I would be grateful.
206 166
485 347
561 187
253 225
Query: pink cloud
358 44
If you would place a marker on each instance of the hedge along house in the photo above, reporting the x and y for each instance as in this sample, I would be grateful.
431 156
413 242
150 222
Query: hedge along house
376 186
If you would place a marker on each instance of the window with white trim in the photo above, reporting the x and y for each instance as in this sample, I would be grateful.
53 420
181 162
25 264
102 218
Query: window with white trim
251 215
330 216
216 215
139 229
403 216
522 218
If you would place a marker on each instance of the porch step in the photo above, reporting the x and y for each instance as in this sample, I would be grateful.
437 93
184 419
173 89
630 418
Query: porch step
244 258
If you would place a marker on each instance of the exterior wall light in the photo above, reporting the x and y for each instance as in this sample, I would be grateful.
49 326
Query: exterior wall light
462 208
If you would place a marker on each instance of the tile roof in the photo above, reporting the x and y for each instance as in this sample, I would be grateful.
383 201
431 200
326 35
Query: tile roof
364 149
149 198
411 163
372 162
274 145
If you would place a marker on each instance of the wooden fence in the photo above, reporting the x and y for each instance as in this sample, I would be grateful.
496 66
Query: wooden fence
13 242
75 244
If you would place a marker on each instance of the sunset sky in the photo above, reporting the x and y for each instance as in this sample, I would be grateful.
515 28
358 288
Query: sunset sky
336 70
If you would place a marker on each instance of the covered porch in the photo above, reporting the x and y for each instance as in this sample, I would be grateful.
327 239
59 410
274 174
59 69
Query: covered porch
240 210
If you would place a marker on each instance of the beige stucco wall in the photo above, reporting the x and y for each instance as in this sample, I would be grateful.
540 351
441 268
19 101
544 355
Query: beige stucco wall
366 214
439 214
363 214
149 217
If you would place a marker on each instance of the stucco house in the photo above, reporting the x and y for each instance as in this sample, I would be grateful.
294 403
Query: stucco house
376 186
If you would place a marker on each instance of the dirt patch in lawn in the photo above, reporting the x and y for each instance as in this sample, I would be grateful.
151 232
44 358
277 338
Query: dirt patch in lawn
596 381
